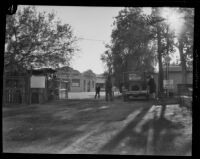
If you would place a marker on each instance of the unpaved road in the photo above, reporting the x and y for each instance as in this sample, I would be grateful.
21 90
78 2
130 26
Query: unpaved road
97 127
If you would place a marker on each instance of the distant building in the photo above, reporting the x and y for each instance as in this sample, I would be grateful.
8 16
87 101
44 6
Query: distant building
74 81
88 81
63 82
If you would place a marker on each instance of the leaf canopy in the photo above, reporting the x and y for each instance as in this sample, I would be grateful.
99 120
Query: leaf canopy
38 39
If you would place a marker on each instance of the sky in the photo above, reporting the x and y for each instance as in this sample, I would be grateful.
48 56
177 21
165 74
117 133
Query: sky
94 26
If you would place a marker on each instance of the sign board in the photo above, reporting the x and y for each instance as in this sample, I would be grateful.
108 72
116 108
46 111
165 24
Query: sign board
134 77
37 81
168 84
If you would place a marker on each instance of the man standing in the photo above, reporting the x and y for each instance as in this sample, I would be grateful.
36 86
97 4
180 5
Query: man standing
97 89
152 87
108 90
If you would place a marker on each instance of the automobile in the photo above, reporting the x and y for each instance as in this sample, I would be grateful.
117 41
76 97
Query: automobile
135 85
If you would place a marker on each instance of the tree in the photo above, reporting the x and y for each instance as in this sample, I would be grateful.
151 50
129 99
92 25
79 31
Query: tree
131 47
35 39
185 41
164 39
108 59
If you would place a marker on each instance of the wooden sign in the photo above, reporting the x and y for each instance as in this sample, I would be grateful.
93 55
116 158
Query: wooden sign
37 81
168 84
134 77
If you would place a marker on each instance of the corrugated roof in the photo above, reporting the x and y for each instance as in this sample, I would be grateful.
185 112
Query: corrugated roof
176 68
42 71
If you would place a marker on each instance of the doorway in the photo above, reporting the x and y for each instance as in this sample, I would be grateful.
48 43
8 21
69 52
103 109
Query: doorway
35 98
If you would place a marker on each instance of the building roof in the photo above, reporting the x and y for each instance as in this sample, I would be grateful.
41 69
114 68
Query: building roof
41 71
14 68
17 69
64 68
176 69
67 69
89 73
100 75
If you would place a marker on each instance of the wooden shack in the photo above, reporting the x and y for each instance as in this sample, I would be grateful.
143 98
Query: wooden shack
38 82
23 86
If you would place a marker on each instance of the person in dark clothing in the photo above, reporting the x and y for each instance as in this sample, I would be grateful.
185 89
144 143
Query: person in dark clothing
97 89
152 87
108 90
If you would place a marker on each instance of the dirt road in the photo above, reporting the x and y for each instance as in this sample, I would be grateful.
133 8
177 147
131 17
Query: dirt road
91 126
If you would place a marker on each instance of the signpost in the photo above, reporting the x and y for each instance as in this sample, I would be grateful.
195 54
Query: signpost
168 84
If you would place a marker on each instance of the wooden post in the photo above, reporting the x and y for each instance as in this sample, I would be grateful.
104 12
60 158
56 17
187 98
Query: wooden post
29 89
45 90
4 88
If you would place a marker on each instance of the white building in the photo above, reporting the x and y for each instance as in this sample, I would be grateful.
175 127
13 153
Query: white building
74 81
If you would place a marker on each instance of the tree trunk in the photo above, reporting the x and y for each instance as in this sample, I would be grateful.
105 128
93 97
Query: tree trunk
160 76
183 62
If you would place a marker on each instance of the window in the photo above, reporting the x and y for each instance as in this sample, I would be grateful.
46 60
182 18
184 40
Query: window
75 82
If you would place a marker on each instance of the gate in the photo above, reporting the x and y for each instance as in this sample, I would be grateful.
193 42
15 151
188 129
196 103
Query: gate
14 96
15 89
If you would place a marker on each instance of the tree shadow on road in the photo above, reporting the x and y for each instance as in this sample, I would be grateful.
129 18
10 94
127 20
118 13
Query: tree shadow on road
127 131
165 133
137 143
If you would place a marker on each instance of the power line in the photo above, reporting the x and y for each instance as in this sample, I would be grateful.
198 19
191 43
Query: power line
91 39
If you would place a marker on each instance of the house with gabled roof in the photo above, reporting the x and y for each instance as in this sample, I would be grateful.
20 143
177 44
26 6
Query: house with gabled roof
26 86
